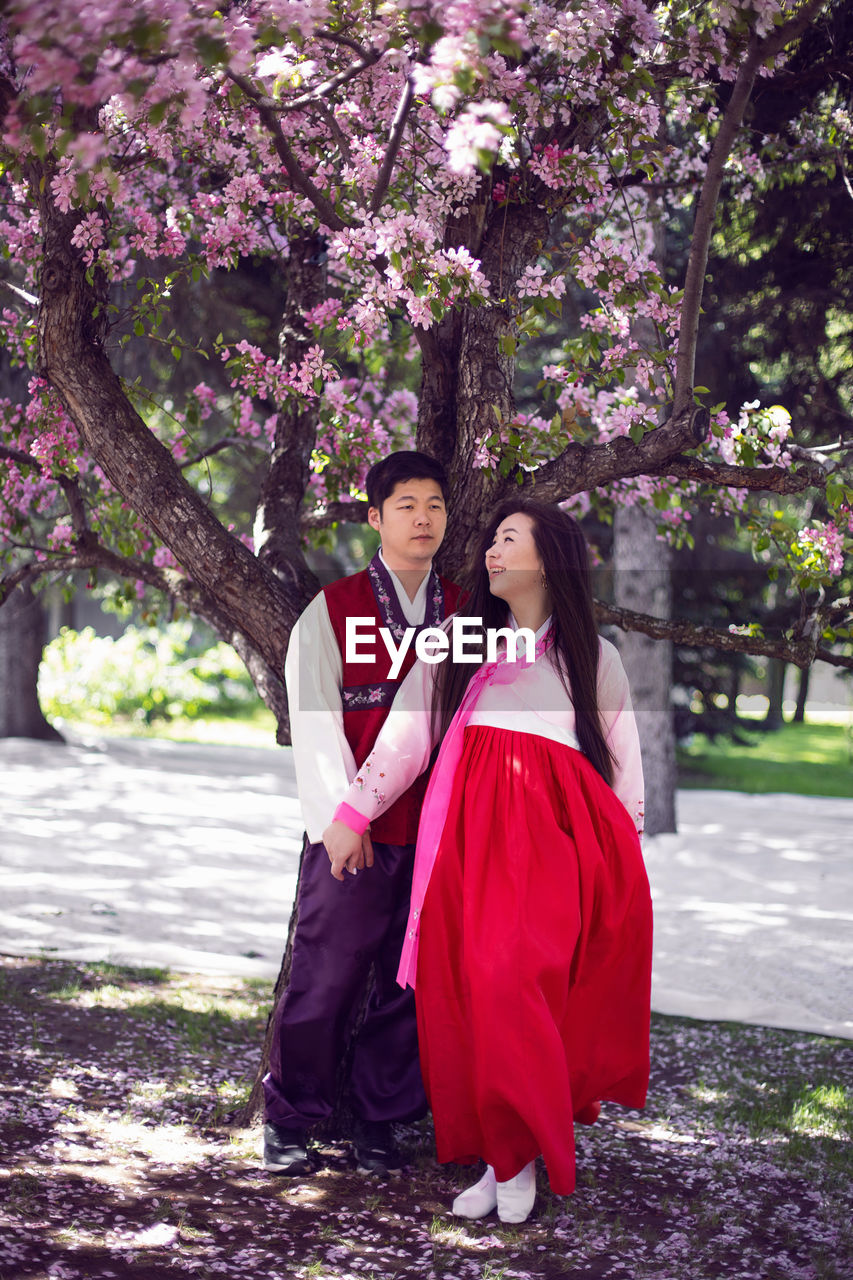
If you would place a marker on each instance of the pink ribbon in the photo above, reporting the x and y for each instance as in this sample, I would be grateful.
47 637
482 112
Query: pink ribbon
437 799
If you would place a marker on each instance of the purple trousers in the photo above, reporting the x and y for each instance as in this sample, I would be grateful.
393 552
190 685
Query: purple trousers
341 929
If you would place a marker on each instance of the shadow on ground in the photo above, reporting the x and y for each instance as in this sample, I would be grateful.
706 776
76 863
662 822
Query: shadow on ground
121 1158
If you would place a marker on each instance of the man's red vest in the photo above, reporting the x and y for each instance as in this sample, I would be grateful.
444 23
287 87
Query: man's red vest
368 690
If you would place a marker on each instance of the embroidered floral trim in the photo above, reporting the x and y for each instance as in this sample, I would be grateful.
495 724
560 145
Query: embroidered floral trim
362 778
389 605
357 697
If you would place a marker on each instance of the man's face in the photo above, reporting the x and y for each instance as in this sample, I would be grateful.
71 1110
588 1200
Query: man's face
411 523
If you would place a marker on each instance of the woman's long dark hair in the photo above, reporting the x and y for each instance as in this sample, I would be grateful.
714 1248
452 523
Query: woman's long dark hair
565 560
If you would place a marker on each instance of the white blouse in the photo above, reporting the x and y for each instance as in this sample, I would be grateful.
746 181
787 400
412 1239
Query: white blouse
535 702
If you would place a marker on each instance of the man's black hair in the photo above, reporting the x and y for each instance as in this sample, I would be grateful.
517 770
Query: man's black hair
405 464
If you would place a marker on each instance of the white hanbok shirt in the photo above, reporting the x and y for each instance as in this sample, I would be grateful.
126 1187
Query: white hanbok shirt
313 673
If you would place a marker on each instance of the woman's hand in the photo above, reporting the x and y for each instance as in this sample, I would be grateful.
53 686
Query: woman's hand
347 850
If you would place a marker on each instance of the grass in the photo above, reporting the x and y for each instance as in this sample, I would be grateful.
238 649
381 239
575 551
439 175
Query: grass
254 727
123 1159
798 759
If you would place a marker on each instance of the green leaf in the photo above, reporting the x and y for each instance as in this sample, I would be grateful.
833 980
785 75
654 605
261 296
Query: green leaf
429 33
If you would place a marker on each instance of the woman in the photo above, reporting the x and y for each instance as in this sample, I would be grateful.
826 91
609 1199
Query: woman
530 925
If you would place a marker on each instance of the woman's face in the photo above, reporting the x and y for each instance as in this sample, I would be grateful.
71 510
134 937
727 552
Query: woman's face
513 563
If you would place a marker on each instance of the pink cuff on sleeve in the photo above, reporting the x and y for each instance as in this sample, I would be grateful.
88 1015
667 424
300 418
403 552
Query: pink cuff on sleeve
352 817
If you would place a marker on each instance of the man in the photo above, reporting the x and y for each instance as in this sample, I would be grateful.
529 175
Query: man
339 694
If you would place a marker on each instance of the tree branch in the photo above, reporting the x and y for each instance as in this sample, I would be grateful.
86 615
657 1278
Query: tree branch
294 170
8 94
580 467
723 474
802 652
18 455
30 298
398 124
694 281
77 510
818 450
369 57
834 659
334 513
844 178
228 442
337 37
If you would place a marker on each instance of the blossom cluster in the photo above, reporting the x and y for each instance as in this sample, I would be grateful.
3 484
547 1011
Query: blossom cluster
820 549
758 435
193 139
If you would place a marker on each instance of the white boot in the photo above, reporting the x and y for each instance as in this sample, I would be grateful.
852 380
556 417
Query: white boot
477 1201
516 1196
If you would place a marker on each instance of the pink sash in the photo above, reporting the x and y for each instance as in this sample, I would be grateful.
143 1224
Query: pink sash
437 799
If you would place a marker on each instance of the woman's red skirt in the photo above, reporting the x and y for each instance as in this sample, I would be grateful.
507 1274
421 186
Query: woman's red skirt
534 963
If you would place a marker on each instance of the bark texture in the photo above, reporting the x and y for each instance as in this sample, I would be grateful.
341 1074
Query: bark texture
277 534
775 687
22 640
642 581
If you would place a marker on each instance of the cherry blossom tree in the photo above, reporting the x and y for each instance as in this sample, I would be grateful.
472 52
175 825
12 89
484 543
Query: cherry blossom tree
426 178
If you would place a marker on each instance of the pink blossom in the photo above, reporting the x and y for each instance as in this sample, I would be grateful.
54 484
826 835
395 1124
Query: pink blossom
476 132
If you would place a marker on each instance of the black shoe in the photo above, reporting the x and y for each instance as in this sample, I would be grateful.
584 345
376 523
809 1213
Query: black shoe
285 1151
375 1148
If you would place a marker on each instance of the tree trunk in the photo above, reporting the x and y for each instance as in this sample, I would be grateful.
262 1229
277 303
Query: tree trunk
255 1104
642 582
775 692
22 637
802 694
469 367
278 538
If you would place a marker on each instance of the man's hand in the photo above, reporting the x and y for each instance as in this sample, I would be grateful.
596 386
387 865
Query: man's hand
347 850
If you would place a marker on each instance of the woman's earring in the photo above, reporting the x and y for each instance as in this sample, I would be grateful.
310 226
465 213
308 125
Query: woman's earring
544 580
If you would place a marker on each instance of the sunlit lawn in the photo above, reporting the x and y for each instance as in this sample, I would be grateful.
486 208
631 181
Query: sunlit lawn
122 1157
801 759
254 727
